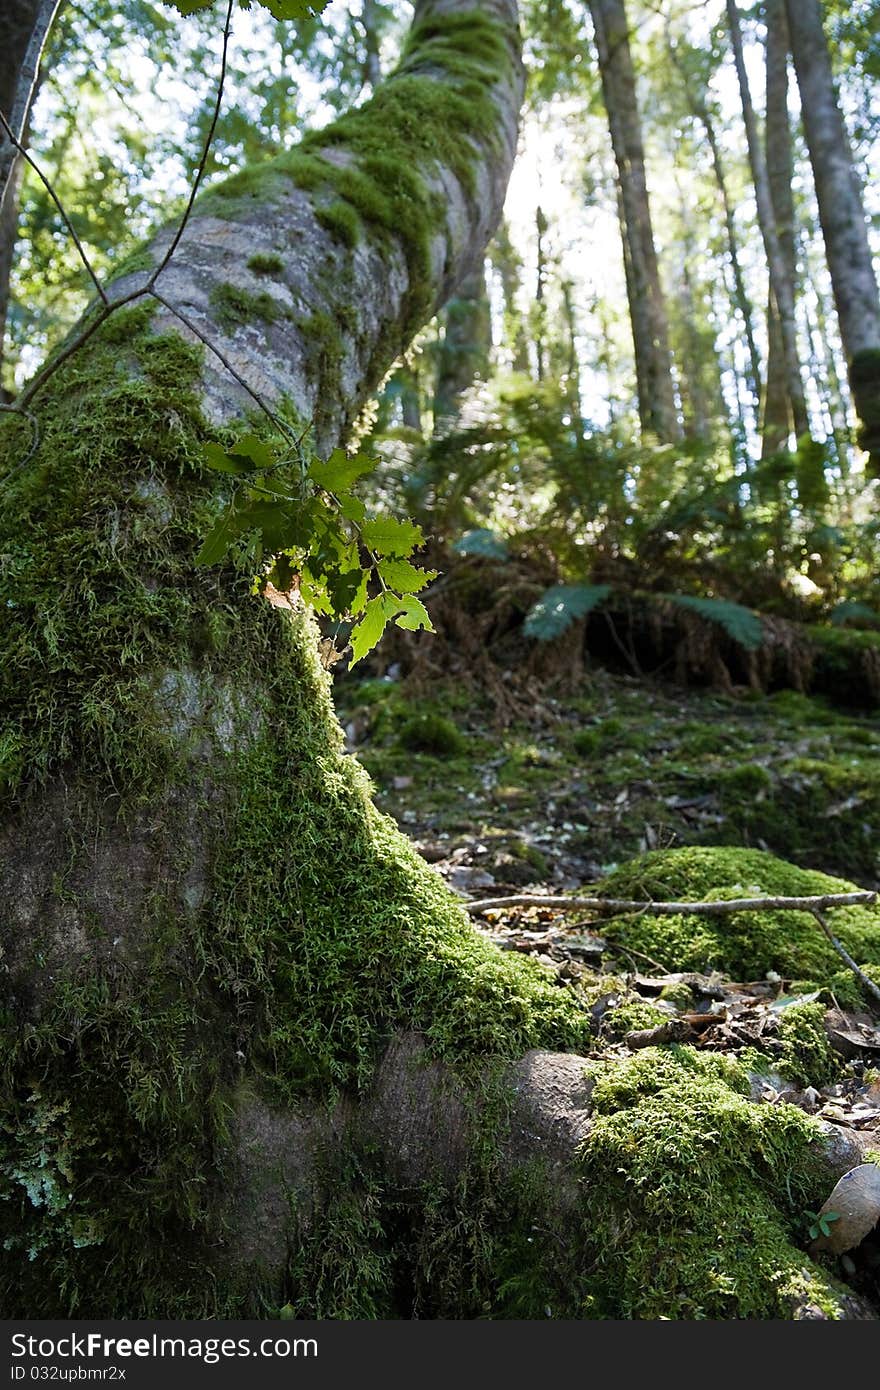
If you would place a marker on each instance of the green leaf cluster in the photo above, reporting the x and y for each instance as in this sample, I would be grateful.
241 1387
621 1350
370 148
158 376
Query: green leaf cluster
303 527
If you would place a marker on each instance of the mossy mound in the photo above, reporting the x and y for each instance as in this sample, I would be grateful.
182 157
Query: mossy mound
743 945
696 1195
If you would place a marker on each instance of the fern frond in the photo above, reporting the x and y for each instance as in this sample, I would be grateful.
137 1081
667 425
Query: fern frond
740 623
560 606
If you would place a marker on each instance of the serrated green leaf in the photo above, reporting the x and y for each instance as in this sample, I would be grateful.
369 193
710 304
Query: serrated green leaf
343 589
294 9
278 527
313 589
351 507
340 472
388 536
365 635
414 616
560 606
219 538
250 446
217 458
404 577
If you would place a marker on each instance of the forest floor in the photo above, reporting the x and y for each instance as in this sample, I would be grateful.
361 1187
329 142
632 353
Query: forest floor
621 766
559 798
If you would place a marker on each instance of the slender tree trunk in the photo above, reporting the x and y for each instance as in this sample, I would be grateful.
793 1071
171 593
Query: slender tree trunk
372 66
776 425
842 215
657 408
509 267
540 312
700 110
24 28
465 347
572 369
781 286
9 215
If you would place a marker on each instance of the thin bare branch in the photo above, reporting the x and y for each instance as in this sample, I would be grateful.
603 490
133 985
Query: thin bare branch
610 906
841 950
28 158
209 140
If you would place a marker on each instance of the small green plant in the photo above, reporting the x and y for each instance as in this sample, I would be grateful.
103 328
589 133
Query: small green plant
820 1223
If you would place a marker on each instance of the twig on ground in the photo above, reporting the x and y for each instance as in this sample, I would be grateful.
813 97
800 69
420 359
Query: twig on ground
610 906
844 954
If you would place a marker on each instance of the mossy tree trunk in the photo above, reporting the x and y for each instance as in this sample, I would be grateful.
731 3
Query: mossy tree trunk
252 1051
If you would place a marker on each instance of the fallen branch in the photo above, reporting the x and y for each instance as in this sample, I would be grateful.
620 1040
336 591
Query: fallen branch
609 906
845 956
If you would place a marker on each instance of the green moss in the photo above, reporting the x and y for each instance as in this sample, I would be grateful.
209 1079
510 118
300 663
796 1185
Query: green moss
808 1058
744 945
342 221
323 336
631 1016
679 994
745 780
139 259
674 1123
234 306
432 733
265 263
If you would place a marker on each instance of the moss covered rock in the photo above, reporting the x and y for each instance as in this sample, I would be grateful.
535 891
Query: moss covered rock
744 945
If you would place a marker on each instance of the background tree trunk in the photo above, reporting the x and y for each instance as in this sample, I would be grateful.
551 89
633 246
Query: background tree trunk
781 286
776 425
24 28
657 409
465 347
842 216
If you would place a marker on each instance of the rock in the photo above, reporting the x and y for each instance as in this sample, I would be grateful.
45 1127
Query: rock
851 1211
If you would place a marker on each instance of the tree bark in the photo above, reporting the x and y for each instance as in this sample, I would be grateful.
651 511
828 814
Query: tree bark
776 425
24 28
842 216
780 283
464 350
372 66
656 391
700 110
509 267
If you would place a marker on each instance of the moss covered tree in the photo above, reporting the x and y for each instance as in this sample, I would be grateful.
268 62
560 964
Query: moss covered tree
253 1053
